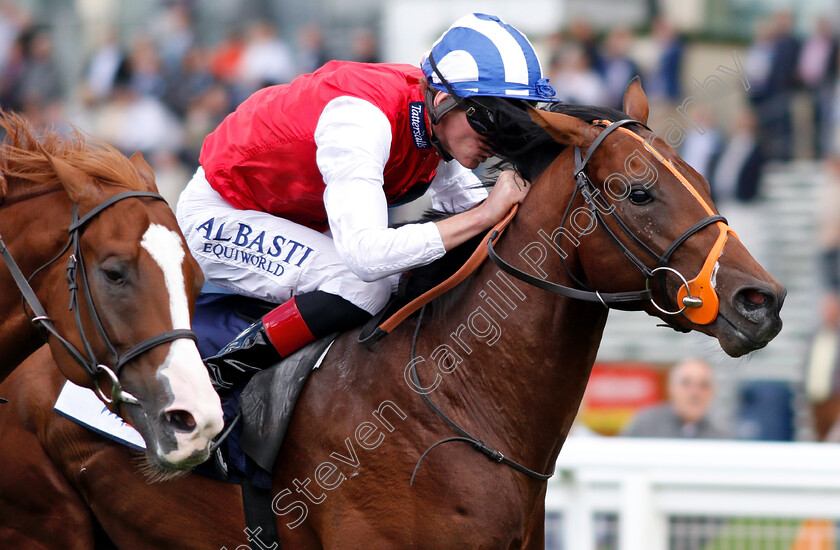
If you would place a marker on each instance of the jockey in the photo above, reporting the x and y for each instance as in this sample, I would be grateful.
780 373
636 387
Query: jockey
290 202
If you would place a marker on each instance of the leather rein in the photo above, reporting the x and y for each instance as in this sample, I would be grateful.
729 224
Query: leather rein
76 272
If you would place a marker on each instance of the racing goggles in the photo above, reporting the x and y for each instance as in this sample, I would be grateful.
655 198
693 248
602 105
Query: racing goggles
479 117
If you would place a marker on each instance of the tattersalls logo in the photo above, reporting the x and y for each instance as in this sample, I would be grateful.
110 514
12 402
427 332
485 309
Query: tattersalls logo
239 243
417 123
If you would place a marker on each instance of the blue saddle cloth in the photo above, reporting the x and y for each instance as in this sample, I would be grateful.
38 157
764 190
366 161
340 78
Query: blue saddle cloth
218 319
229 462
221 317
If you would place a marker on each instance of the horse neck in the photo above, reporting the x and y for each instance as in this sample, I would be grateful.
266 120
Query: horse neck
522 382
17 193
34 233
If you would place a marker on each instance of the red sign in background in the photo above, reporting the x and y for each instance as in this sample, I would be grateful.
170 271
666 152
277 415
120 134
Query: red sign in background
616 391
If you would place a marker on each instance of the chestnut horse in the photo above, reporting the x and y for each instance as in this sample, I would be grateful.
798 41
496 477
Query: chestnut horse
504 361
81 225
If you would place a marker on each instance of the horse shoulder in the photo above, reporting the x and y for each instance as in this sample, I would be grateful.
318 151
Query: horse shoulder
37 495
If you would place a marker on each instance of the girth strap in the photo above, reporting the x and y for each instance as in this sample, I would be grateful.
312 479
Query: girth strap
260 519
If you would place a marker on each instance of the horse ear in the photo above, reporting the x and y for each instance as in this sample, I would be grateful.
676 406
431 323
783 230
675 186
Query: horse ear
79 185
635 101
147 175
565 129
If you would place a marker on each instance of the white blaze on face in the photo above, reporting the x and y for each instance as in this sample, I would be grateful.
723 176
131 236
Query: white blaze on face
713 281
183 369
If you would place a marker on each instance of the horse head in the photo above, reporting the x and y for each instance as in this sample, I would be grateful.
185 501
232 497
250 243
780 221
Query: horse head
637 204
129 279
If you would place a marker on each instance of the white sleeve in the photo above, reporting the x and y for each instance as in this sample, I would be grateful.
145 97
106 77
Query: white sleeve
455 188
353 140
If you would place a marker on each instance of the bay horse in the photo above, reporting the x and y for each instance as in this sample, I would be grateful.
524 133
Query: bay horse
82 225
504 361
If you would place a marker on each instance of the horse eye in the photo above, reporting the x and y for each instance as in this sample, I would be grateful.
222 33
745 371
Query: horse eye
640 196
113 276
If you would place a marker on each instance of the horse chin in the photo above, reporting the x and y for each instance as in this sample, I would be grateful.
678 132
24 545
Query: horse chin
736 334
154 470
738 337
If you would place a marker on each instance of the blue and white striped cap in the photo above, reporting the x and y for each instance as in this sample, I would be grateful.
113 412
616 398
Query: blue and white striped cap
480 55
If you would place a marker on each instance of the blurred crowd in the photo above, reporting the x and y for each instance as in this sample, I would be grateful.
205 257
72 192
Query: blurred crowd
163 92
787 72
166 88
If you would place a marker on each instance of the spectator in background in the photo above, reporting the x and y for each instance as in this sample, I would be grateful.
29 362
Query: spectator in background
40 83
773 60
311 51
226 65
734 177
189 82
822 383
580 32
829 238
266 59
576 80
759 58
144 69
690 393
12 22
13 68
703 142
174 35
617 69
226 58
664 83
735 172
365 47
101 71
204 114
817 71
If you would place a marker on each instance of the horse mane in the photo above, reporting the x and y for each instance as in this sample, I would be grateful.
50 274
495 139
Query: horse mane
521 145
23 164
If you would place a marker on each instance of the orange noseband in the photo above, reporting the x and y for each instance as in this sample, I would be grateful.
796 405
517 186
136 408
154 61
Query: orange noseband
703 285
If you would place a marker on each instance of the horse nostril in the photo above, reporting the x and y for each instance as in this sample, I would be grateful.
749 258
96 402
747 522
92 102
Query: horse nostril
753 300
754 296
181 420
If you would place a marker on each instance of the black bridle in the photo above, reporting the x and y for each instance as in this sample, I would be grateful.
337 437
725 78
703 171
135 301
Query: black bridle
76 272
632 300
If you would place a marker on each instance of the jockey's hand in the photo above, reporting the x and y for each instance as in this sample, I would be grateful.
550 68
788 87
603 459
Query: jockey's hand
510 189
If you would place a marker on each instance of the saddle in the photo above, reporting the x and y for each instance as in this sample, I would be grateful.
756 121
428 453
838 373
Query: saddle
269 398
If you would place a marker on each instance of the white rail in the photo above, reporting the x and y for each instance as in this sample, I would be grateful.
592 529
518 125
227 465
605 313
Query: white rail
647 481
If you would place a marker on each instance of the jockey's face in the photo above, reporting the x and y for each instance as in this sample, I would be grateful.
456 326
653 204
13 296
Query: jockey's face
459 138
